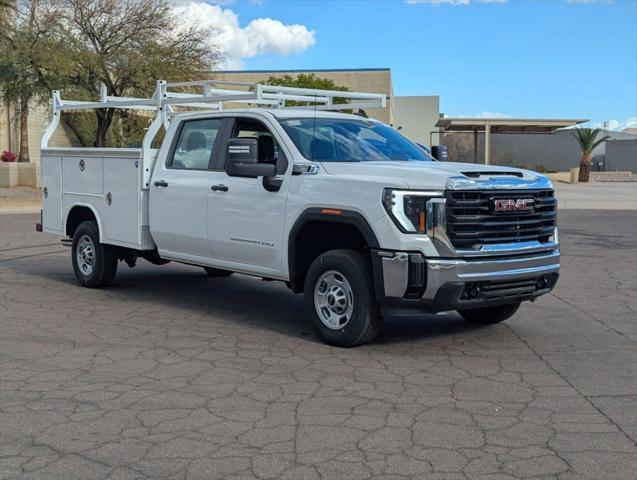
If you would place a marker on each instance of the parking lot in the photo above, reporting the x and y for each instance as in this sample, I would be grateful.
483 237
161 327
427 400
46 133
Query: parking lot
171 374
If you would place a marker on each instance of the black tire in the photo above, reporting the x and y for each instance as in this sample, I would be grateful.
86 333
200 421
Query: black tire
365 320
488 315
217 272
104 262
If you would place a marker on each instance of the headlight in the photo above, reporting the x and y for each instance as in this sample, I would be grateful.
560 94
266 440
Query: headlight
408 208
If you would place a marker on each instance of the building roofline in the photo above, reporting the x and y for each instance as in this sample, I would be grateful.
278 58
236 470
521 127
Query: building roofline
305 70
506 125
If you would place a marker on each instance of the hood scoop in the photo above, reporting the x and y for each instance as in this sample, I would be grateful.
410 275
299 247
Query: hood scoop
495 173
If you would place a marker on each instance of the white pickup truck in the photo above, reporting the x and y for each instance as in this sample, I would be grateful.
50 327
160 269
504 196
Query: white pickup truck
338 206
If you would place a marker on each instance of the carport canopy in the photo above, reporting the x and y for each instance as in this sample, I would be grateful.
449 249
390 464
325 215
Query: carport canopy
501 125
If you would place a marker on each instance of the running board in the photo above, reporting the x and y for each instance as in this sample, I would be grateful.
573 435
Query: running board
67 242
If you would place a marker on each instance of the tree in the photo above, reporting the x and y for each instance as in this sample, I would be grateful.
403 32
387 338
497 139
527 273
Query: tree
125 45
304 80
587 139
24 50
7 10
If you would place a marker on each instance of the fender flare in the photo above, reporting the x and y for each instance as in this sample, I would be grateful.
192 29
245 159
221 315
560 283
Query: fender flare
316 214
92 209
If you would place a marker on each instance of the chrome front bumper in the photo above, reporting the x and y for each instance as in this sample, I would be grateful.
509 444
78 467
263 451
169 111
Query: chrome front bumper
448 284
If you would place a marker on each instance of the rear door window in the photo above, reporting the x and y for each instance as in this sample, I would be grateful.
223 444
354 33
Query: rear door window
195 143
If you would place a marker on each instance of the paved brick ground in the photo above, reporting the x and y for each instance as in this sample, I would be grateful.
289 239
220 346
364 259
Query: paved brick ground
170 374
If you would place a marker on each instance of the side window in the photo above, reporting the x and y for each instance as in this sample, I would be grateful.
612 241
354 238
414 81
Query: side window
317 143
194 145
269 150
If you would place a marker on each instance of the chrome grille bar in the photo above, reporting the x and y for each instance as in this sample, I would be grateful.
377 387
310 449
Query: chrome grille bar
471 221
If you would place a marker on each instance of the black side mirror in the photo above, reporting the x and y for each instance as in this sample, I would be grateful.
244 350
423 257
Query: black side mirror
439 152
242 159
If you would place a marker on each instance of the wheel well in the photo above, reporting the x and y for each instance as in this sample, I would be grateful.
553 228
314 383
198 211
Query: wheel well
315 238
76 216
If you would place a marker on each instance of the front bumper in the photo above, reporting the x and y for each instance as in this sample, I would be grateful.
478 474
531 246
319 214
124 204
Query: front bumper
407 279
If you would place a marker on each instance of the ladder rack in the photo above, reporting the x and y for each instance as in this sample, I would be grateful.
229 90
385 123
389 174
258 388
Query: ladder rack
212 95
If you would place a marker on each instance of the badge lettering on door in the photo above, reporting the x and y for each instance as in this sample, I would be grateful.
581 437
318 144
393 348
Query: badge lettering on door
260 243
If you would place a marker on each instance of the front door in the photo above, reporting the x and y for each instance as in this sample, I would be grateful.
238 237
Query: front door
179 191
246 216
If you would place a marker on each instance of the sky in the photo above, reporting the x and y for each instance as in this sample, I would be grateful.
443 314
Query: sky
515 58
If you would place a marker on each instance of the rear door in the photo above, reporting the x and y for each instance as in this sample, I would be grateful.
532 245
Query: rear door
179 190
246 216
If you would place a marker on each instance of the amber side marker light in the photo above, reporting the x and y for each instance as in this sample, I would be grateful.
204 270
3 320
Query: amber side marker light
421 223
330 211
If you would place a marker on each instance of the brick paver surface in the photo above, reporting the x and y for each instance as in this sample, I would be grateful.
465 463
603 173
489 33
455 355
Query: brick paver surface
171 374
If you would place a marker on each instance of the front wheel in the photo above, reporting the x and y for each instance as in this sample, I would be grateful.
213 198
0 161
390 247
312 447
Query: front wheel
339 299
94 263
489 315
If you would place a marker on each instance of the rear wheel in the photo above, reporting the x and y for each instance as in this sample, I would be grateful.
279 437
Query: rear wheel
94 263
217 272
339 299
489 315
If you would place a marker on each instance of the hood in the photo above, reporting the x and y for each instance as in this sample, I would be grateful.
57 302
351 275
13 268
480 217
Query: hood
440 175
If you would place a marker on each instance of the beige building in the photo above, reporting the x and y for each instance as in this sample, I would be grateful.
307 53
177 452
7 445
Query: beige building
39 116
416 117
25 174
21 174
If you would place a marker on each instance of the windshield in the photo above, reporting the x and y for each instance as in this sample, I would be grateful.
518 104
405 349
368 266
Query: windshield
350 140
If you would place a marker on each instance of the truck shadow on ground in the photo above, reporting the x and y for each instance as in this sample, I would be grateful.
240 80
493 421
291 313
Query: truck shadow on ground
250 301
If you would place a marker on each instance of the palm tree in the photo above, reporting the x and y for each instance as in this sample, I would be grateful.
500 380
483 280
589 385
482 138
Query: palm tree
587 139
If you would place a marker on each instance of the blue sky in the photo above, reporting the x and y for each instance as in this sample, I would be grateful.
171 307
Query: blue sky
543 58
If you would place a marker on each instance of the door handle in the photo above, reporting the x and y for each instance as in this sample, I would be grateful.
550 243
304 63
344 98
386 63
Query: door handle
219 188
161 183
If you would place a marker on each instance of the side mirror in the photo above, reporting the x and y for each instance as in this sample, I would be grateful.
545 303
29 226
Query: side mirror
439 152
242 159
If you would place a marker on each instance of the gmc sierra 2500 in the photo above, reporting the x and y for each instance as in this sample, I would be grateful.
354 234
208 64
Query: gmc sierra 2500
340 207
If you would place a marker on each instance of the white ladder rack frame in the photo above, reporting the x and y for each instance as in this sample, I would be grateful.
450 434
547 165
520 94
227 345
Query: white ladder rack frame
211 98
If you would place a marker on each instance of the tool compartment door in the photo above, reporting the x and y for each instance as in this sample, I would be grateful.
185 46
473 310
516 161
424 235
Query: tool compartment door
121 204
82 175
108 182
51 171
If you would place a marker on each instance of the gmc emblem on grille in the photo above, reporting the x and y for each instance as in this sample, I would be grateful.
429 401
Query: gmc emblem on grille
513 205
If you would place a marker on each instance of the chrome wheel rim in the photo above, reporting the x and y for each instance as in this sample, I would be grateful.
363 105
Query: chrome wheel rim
333 300
85 255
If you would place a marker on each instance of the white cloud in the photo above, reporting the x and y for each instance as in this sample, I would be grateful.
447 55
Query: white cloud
260 36
614 125
455 2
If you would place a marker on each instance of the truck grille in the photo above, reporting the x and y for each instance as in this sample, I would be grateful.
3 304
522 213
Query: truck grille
472 220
